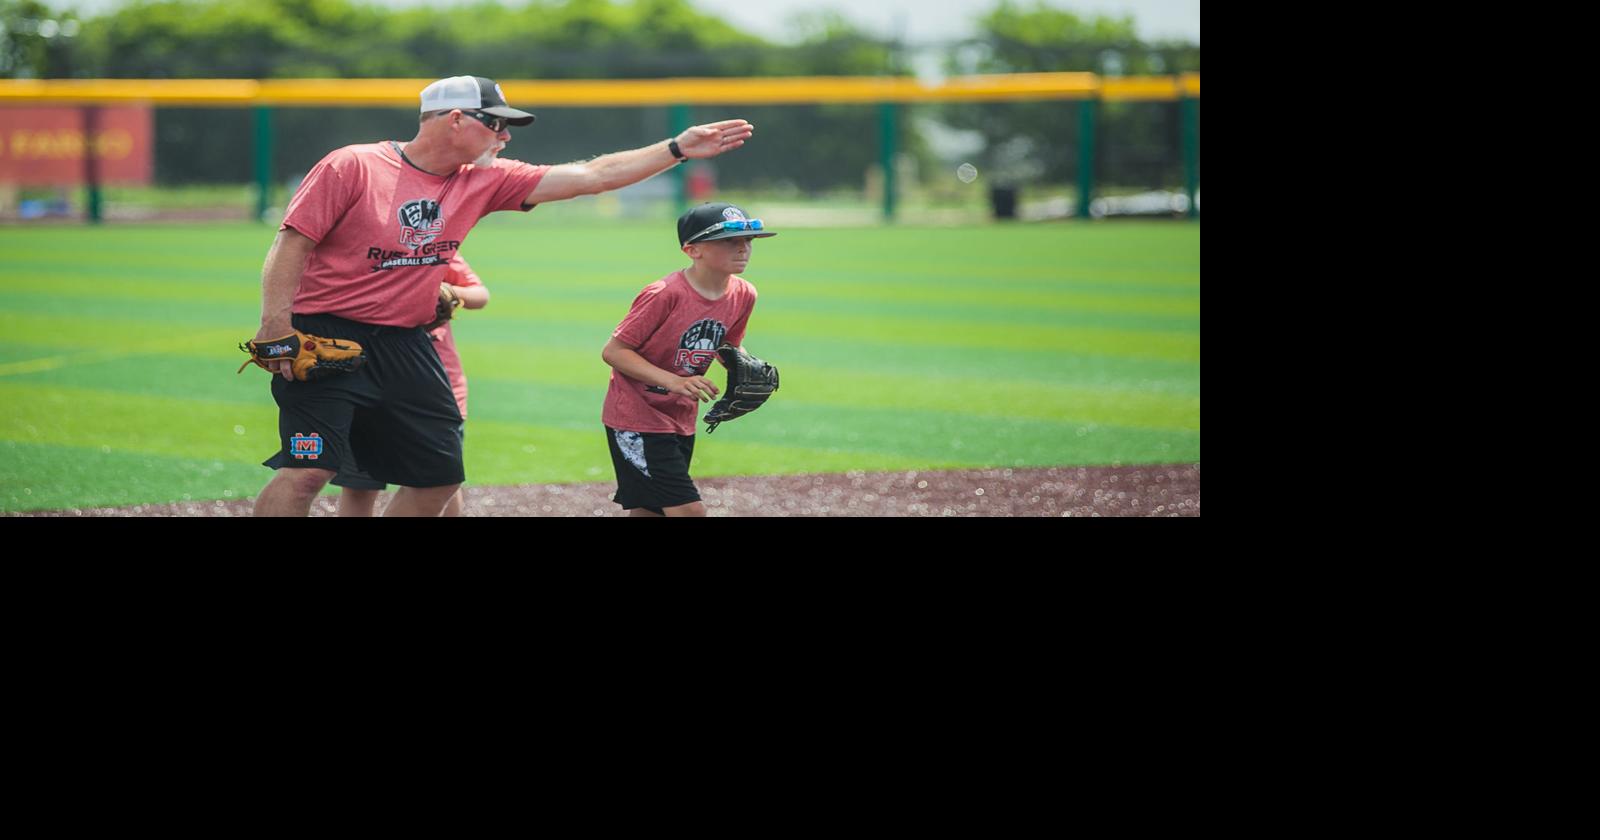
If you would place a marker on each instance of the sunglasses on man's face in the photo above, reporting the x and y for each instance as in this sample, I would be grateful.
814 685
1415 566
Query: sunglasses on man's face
491 122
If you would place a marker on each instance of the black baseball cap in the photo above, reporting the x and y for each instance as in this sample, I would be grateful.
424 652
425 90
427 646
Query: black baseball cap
471 93
718 220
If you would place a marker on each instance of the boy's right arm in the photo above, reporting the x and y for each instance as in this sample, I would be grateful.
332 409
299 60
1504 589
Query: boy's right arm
464 283
628 361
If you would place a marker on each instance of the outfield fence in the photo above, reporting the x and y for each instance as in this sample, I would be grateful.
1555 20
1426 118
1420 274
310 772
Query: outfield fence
834 150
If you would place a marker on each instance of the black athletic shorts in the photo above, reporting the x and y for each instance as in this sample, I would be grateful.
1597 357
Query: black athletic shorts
351 474
396 416
652 469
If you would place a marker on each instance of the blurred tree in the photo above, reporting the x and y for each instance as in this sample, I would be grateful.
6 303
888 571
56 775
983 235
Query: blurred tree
35 41
212 38
1029 141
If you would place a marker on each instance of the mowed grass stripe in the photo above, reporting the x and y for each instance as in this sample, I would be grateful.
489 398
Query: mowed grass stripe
956 315
995 397
578 399
575 360
178 376
44 414
1096 370
974 397
135 337
1056 292
191 269
176 242
160 312
870 333
1004 298
956 440
1109 428
52 477
243 296
939 314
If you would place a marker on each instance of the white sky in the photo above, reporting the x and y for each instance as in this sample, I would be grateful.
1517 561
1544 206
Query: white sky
922 21
919 21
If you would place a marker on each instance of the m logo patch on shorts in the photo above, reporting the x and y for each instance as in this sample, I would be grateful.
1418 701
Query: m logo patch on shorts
306 447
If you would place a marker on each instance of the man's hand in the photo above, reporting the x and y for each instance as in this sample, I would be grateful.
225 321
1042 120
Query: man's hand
271 332
310 357
712 139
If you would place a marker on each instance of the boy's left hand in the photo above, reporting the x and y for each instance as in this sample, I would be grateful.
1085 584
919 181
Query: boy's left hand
695 387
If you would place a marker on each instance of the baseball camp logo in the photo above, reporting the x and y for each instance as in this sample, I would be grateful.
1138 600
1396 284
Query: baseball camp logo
420 223
733 214
306 447
698 347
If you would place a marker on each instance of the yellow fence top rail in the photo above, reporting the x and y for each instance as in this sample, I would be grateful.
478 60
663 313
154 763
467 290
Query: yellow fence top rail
600 93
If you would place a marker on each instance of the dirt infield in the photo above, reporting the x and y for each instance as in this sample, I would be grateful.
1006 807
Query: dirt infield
1172 490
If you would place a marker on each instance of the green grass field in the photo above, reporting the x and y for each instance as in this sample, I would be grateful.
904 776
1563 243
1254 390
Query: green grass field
900 347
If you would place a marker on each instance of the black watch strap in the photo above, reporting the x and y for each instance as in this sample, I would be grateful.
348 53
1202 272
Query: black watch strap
672 146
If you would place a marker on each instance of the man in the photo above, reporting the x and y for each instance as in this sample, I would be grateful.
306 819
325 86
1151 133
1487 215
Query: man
363 247
358 492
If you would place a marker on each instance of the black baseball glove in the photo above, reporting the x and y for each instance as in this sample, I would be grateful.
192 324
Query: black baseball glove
750 382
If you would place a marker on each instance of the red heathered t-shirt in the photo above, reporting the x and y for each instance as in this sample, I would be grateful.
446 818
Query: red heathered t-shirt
676 329
385 230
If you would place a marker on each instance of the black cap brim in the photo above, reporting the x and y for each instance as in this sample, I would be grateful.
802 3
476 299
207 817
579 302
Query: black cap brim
734 234
512 115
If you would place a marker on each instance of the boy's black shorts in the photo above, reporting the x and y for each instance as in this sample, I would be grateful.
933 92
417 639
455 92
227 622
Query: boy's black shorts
652 469
396 416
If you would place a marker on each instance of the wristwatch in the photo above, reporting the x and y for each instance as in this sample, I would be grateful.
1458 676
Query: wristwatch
672 146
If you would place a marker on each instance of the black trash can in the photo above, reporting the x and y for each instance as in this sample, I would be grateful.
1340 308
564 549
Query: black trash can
1004 200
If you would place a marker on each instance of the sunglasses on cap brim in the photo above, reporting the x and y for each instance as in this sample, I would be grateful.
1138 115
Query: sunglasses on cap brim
747 224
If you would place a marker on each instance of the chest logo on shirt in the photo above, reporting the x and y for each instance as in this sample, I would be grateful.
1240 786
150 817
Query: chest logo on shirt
697 349
420 223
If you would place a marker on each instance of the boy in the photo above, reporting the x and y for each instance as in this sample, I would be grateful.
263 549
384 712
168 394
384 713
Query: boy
660 354
358 492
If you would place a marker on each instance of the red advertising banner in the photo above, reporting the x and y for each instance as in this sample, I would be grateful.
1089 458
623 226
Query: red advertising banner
45 146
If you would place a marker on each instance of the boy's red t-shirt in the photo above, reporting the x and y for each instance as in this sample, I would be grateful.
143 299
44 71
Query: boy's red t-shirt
676 329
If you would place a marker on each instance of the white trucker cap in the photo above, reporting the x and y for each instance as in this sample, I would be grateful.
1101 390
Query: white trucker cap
471 93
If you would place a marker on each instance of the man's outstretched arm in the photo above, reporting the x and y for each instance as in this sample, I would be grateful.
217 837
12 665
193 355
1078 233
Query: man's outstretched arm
619 169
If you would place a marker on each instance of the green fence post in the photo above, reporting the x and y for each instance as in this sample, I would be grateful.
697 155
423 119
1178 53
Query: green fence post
1086 128
678 116
888 141
91 163
1191 152
263 162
